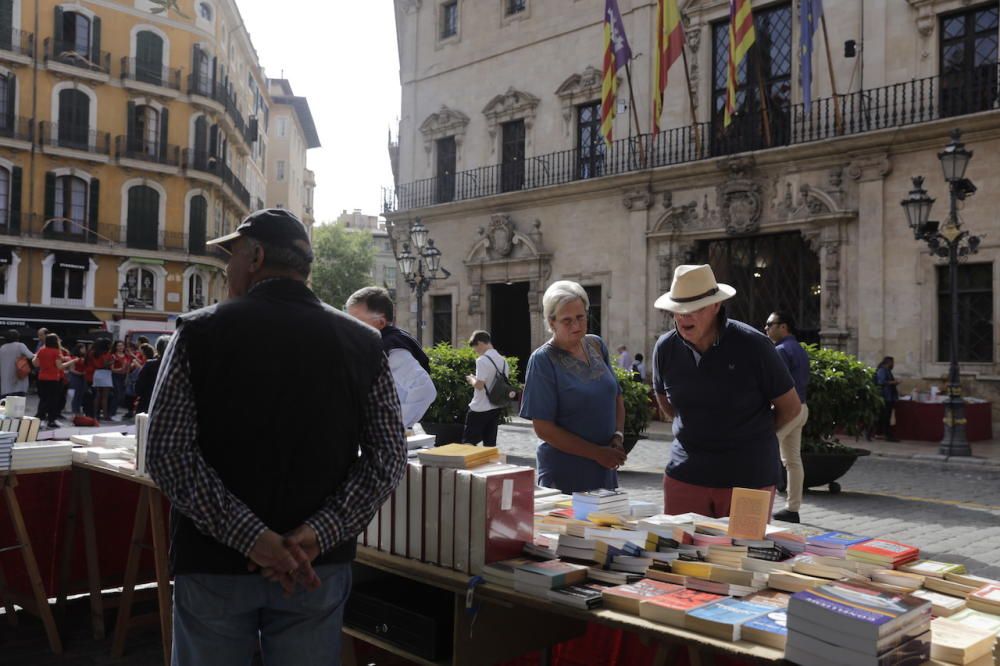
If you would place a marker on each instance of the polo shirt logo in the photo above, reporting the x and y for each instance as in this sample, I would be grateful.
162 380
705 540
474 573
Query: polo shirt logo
732 366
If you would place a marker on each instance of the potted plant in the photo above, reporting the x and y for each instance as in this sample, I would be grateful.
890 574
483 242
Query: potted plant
637 409
445 418
843 398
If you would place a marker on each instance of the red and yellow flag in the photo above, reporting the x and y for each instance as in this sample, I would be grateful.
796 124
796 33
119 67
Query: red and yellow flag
669 42
741 38
616 55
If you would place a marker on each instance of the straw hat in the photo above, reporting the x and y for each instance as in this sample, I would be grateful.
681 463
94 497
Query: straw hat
693 288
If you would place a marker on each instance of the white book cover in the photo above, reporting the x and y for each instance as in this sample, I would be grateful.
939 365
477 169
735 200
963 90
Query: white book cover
385 526
371 532
432 503
141 434
114 440
446 529
400 516
82 440
97 453
463 488
415 511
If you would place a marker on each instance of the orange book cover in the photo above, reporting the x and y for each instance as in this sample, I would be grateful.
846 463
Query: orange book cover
748 513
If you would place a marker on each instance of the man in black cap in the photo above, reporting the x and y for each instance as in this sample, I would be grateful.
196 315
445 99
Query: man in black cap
255 482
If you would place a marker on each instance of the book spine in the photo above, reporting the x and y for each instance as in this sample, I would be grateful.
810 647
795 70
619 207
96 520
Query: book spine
432 503
415 511
463 507
446 551
400 517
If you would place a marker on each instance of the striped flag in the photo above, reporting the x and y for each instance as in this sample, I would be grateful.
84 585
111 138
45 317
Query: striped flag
669 42
616 55
741 38
810 14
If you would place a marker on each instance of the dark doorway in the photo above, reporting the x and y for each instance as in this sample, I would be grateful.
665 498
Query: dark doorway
510 322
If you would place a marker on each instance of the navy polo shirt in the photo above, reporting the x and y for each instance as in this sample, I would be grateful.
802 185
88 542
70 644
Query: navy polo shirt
797 360
724 428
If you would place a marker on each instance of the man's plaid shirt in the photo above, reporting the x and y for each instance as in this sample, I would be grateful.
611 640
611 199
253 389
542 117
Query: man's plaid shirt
175 462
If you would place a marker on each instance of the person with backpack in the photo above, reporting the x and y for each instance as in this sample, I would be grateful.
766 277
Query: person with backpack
492 392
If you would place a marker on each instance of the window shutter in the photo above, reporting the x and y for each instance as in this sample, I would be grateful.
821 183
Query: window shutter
50 195
213 141
215 72
11 106
58 30
132 140
14 217
95 42
95 195
164 119
200 137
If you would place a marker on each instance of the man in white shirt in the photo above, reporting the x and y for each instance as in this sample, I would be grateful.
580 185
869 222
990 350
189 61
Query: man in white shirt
408 363
624 358
483 417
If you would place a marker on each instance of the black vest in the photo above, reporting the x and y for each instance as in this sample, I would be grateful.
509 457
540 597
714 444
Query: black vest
397 338
279 382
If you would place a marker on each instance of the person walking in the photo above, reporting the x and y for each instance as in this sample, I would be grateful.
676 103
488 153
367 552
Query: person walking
51 365
15 365
146 380
573 399
889 386
483 417
411 369
102 383
276 481
727 391
780 328
77 383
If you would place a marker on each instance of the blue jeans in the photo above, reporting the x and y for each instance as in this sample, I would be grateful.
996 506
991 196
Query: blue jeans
219 620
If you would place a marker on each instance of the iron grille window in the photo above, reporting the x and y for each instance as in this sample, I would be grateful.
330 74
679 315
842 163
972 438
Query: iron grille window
141 285
772 272
516 6
446 169
196 292
594 311
70 206
975 313
449 19
512 156
441 318
766 68
589 143
968 60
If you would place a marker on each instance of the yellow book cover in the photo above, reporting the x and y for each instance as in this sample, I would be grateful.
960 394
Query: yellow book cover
748 513
696 569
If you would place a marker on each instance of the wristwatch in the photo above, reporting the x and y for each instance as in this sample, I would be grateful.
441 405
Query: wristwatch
619 434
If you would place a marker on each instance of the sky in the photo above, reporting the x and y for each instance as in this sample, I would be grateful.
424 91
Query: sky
345 63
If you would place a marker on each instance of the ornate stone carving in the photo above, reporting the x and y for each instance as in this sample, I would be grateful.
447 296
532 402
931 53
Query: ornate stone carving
536 233
869 167
410 6
577 89
500 237
512 105
637 199
677 218
445 122
693 39
926 17
740 205
475 300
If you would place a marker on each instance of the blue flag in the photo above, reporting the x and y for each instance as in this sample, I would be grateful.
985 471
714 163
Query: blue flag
810 14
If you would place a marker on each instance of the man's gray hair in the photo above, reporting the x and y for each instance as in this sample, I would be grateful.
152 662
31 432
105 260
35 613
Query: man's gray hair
559 294
284 258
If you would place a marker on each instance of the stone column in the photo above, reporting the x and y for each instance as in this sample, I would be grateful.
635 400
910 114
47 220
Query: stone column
627 310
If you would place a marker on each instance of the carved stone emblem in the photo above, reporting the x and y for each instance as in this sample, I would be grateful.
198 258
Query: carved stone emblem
500 235
740 206
637 199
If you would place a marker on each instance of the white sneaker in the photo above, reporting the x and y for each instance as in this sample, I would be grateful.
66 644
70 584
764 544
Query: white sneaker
116 418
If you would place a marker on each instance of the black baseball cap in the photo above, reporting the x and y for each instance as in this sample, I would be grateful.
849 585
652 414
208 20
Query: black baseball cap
274 226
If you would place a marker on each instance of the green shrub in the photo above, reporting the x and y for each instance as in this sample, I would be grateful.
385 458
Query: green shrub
842 397
449 367
636 395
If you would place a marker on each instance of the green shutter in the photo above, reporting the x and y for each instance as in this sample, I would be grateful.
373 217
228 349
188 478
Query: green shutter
50 195
14 217
95 196
164 123
58 30
95 42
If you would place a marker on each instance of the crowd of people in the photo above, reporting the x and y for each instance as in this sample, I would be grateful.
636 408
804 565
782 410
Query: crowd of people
95 379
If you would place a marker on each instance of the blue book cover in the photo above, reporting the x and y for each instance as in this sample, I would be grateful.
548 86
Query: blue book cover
774 622
730 611
836 539
858 603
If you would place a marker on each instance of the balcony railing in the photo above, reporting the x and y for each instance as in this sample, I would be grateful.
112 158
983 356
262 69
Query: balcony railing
234 183
66 53
165 77
21 129
202 161
136 149
17 41
75 138
897 105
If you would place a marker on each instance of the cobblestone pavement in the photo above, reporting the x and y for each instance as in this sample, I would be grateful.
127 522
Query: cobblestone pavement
950 512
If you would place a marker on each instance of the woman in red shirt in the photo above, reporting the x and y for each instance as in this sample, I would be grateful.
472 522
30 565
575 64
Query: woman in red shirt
51 365
99 360
120 366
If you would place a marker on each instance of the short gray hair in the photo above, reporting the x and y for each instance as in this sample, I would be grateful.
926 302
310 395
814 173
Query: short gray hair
559 294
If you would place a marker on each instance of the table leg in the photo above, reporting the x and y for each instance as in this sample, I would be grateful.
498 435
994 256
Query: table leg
666 653
347 656
131 573
161 559
28 554
68 535
90 550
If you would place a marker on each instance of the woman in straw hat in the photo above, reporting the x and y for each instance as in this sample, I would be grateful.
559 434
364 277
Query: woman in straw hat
728 392
573 399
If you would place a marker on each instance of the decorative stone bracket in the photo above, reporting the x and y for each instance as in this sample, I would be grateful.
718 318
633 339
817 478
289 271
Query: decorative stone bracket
512 105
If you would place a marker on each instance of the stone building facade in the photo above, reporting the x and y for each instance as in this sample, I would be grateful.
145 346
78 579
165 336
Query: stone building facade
497 156
291 133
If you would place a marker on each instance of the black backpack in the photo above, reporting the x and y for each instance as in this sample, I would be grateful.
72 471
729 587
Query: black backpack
500 392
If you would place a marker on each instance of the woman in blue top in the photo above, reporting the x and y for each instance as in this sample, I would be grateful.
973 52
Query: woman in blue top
573 399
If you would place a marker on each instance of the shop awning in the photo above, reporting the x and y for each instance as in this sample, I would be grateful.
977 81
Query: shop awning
26 316
73 261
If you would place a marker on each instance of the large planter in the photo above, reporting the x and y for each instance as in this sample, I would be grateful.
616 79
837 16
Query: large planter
446 433
823 469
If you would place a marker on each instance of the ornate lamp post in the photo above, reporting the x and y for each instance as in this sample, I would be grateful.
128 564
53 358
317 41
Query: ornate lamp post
948 240
123 295
420 267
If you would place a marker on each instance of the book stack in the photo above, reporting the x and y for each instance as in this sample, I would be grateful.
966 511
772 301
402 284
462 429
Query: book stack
955 643
578 548
547 499
833 544
672 608
502 573
957 585
889 554
932 568
7 440
25 428
538 578
459 456
600 501
584 596
793 538
897 581
819 566
725 618
942 605
853 625
789 581
40 455
626 598
641 509
985 599
730 556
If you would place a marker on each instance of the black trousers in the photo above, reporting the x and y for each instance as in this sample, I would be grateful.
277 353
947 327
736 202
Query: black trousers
49 400
481 427
884 418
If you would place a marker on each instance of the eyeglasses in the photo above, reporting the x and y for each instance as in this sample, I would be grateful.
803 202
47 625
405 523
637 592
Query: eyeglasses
769 324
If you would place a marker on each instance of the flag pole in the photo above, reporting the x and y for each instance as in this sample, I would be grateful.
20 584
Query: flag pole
687 82
837 118
635 114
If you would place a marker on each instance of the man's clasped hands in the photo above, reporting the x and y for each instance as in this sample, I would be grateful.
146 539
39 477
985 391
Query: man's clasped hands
287 559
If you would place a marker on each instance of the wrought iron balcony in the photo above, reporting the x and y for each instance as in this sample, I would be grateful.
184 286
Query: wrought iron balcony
75 138
202 161
17 41
164 77
65 52
21 129
897 105
134 148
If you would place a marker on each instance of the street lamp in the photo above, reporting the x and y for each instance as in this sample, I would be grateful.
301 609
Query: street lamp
123 296
951 242
420 267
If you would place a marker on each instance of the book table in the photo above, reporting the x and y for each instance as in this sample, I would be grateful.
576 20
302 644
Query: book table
510 623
